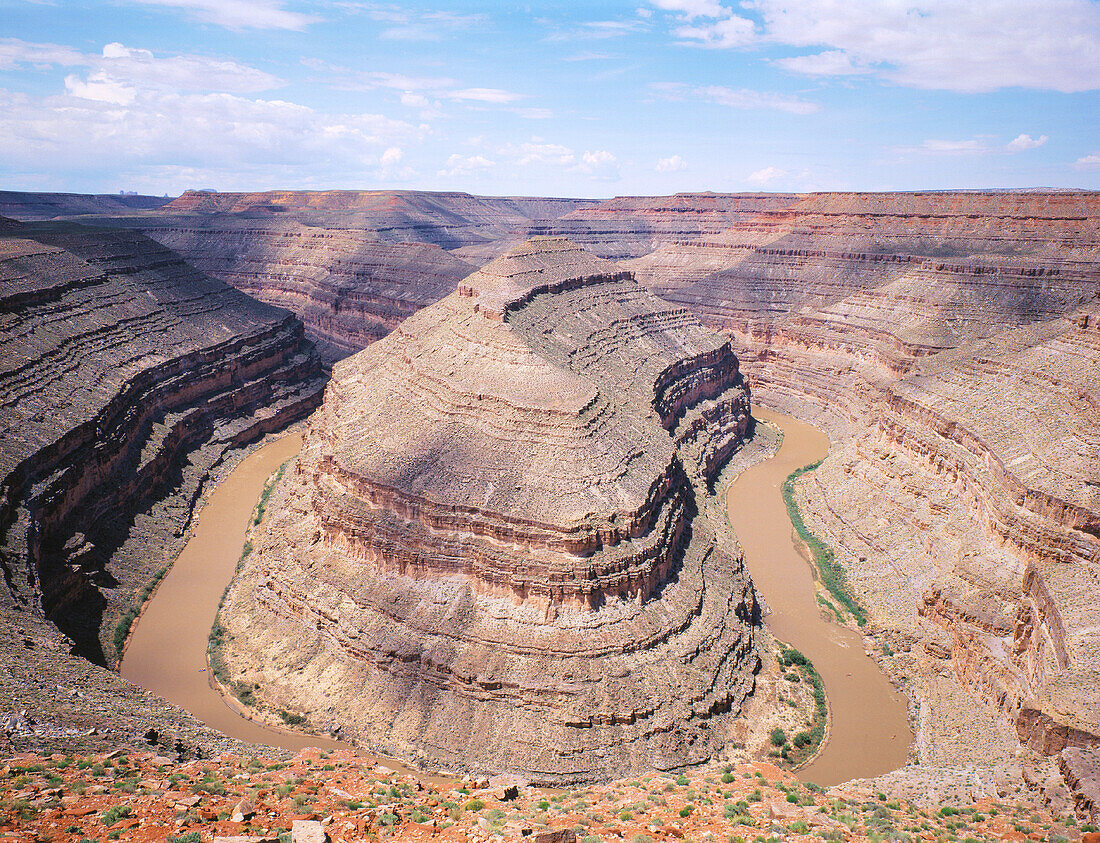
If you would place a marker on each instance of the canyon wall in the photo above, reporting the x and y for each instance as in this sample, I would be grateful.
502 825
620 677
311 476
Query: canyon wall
127 378
949 344
44 206
632 226
348 287
500 519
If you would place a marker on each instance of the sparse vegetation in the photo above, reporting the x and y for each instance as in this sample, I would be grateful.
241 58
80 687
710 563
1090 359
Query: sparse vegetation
832 573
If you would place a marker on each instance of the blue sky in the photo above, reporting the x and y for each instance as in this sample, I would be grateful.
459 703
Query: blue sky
549 98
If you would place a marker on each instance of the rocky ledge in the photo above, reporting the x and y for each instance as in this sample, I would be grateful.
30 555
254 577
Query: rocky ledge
495 551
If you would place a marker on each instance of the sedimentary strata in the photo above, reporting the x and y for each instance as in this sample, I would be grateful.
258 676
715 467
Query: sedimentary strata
126 378
631 226
495 551
449 220
949 344
349 287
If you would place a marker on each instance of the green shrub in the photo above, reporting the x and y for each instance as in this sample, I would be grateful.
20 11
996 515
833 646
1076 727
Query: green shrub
477 805
778 737
686 810
113 815
682 780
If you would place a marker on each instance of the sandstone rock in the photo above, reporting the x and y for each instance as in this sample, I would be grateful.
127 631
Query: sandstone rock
947 343
558 835
307 831
497 522
1081 771
242 811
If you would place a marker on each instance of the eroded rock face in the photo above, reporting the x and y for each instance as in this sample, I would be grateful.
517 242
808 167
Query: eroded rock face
495 551
126 378
348 287
631 226
44 206
948 342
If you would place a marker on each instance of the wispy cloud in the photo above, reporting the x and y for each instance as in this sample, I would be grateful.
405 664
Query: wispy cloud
975 146
239 14
743 98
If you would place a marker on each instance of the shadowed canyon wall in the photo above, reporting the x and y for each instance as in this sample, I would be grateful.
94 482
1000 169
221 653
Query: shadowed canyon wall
127 378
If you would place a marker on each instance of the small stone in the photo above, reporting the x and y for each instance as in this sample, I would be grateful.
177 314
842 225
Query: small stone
307 831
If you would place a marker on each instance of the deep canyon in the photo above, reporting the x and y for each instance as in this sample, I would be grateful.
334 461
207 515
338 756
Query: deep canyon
947 343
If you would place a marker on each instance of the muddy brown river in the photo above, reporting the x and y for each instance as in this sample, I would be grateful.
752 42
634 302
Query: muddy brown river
166 653
868 725
868 729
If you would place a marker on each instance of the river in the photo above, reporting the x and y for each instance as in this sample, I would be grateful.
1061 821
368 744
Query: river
868 731
869 725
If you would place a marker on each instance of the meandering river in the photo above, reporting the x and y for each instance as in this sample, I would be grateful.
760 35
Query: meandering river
868 731
166 653
869 725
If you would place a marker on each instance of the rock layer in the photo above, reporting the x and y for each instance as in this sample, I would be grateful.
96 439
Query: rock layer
126 377
495 552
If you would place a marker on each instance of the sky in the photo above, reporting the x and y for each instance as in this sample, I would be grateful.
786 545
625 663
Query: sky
585 99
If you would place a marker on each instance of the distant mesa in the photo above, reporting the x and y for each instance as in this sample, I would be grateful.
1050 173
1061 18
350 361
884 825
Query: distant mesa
495 551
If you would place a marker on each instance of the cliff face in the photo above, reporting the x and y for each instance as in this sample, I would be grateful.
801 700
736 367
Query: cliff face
44 206
448 220
348 287
126 378
631 226
956 336
497 521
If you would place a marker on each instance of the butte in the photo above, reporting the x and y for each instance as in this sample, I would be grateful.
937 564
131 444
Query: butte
498 549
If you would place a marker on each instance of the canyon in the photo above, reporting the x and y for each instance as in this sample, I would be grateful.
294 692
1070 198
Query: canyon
947 342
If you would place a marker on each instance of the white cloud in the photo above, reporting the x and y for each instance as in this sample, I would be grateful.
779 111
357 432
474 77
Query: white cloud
957 45
239 14
100 88
415 90
953 147
421 25
598 164
465 165
735 98
1024 142
14 52
671 164
692 8
493 95
98 124
766 176
1088 162
391 156
733 31
828 63
975 146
